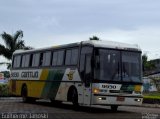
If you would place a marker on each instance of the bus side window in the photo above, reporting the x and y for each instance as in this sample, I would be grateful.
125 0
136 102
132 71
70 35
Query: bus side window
71 56
36 58
60 57
17 61
27 58
47 58
68 57
54 60
23 61
74 57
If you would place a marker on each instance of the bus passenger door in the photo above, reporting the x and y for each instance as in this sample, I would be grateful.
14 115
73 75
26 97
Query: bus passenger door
87 80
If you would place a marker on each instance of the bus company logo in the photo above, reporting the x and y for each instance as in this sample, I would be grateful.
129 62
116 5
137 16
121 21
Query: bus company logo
70 75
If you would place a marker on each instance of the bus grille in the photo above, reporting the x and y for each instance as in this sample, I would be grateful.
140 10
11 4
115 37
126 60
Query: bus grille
121 91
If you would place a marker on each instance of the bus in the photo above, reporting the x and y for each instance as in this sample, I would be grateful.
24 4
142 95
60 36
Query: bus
86 73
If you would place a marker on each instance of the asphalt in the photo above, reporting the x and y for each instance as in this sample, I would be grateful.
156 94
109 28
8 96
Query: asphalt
143 105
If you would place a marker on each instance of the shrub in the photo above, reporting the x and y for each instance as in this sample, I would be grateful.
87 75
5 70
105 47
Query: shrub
4 90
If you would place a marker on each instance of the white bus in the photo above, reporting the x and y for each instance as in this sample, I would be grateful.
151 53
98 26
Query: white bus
85 73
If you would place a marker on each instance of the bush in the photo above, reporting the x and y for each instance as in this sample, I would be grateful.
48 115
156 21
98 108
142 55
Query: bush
4 90
151 97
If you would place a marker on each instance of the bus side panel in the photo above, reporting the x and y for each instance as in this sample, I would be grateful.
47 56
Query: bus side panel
52 84
35 87
16 86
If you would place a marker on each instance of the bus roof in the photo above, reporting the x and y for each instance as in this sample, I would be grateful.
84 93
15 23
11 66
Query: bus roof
95 43
113 45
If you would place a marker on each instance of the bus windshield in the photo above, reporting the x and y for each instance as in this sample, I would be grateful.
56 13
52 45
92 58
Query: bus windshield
113 65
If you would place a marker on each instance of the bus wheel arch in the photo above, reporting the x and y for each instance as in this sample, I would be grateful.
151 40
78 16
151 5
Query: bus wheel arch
72 95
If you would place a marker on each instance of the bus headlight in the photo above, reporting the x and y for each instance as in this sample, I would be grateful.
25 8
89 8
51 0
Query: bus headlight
102 98
137 100
96 90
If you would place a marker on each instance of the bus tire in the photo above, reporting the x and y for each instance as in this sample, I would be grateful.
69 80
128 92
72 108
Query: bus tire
114 108
24 94
74 98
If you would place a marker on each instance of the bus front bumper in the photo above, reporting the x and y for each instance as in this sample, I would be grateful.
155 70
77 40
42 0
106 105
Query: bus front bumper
116 100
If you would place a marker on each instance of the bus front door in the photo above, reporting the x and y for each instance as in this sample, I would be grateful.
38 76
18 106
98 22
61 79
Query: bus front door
87 81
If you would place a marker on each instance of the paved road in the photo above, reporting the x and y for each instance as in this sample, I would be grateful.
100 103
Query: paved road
14 108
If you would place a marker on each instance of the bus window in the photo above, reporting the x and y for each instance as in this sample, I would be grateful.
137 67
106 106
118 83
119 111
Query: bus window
131 66
35 61
25 60
107 65
74 58
71 56
17 61
47 58
60 57
68 57
54 60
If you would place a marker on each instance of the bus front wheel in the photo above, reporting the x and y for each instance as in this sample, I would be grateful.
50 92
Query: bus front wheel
114 108
74 98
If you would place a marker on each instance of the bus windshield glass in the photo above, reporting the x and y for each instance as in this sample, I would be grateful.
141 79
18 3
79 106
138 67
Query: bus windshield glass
113 65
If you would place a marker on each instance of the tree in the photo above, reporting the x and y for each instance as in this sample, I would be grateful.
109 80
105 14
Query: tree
12 43
148 66
94 38
144 61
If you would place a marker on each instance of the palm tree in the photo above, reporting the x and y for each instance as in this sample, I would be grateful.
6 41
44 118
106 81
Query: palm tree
12 43
94 38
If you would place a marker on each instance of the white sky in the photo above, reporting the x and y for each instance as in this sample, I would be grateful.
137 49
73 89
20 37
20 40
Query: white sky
52 22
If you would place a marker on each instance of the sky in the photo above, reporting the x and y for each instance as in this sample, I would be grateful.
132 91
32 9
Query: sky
52 22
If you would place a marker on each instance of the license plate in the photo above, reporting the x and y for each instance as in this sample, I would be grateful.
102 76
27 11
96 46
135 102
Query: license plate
120 98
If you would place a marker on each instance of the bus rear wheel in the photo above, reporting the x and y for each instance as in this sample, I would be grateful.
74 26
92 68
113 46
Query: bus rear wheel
25 97
24 94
